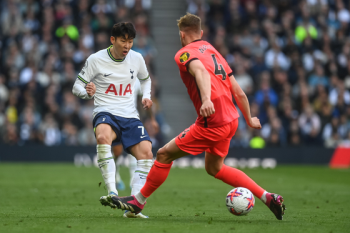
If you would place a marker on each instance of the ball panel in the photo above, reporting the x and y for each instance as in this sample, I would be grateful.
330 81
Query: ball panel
240 201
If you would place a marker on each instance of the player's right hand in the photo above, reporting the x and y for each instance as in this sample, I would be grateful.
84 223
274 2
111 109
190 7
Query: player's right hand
207 109
90 88
255 123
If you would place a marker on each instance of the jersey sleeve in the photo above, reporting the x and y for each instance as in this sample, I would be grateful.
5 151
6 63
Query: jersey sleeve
184 57
143 72
87 73
228 69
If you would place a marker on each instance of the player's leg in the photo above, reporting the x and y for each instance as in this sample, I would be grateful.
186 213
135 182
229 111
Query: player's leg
104 137
142 152
160 170
132 167
117 150
215 166
157 175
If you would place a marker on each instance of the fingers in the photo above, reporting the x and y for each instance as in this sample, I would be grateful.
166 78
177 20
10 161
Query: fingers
90 85
147 103
90 88
207 111
256 123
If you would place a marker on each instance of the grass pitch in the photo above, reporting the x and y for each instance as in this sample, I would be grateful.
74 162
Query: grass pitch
64 198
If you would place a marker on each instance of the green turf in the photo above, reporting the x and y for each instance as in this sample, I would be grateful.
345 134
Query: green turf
63 198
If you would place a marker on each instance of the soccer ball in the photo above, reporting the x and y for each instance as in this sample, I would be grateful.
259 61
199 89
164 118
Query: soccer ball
240 201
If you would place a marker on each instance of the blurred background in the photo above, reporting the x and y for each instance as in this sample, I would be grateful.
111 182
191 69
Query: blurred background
291 57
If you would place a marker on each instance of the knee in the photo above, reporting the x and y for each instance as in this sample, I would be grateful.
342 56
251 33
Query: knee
102 139
212 170
163 156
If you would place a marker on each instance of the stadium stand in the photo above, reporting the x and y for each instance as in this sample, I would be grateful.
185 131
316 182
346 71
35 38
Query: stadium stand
291 57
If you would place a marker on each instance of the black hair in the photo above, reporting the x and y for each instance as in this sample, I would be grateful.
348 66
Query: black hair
123 29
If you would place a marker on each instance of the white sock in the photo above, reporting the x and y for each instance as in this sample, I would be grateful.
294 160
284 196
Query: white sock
117 168
140 198
132 167
141 172
263 197
107 166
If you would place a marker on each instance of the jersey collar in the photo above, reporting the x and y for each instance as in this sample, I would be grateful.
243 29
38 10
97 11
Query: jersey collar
196 40
111 56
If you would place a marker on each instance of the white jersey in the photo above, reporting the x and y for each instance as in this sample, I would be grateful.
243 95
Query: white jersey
115 81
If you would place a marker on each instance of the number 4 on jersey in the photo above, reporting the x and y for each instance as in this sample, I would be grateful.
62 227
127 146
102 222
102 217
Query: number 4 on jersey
217 71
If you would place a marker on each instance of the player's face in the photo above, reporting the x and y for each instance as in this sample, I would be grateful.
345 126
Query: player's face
122 45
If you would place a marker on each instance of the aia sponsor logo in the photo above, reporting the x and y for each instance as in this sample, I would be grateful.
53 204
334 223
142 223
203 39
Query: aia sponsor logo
121 92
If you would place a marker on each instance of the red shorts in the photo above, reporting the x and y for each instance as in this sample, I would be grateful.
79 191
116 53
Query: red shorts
195 139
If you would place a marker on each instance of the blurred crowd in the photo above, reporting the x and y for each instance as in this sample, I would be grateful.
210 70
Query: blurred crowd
292 59
43 46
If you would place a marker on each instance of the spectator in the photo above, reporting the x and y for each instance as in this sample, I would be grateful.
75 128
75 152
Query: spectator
333 141
275 58
68 29
244 80
50 134
272 130
318 78
266 94
339 92
310 125
331 128
28 128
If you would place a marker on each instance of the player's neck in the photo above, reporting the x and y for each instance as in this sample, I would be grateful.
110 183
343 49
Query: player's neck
115 55
192 39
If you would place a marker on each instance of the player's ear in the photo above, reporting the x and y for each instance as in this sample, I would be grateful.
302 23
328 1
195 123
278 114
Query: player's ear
182 35
201 33
112 39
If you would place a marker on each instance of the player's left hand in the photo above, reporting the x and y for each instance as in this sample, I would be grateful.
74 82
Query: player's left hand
90 88
207 109
147 103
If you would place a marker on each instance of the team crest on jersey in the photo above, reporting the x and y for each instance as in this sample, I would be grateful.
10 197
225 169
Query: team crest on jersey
132 74
184 57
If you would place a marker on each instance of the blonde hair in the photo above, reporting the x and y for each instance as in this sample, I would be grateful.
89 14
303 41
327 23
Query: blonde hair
189 23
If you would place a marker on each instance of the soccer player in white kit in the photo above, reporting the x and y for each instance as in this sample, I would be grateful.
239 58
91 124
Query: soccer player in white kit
108 76
117 150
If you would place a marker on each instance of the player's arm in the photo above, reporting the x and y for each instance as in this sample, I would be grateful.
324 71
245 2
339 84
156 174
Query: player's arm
197 69
82 90
147 103
145 83
83 87
145 86
243 104
152 117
